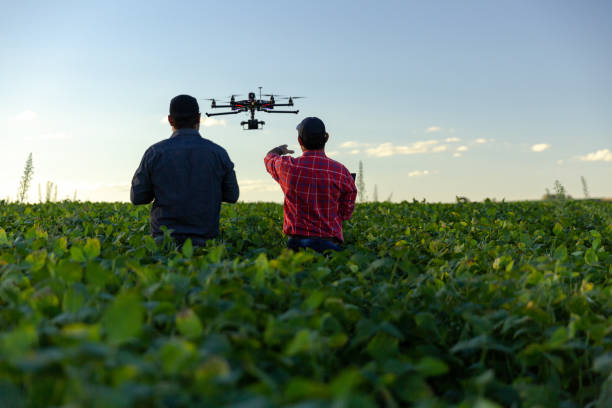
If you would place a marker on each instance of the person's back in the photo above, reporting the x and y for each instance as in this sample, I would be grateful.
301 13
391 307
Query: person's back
316 199
188 177
319 192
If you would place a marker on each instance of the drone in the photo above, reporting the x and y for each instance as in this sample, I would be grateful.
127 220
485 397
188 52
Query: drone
253 104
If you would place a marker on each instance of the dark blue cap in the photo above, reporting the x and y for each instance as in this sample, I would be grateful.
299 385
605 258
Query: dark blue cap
184 106
311 128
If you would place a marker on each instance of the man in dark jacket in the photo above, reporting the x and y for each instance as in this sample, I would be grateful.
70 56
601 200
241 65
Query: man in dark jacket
187 177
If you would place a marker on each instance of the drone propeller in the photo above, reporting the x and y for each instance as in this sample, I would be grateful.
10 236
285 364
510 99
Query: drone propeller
275 95
233 95
295 97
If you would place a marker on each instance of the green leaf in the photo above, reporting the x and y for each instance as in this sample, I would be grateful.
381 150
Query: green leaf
122 320
91 250
603 364
17 342
76 254
60 246
382 346
262 267
485 403
189 324
560 253
590 257
3 238
314 300
175 355
37 259
187 248
605 397
557 229
346 382
431 367
69 271
302 388
302 342
73 299
215 367
97 275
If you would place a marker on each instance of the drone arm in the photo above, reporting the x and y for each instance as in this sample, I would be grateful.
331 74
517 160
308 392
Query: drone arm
281 111
222 113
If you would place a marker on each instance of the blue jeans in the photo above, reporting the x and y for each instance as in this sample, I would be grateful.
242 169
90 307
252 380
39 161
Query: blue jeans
318 244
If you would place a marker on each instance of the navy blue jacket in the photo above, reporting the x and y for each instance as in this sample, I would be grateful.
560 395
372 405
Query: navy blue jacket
187 177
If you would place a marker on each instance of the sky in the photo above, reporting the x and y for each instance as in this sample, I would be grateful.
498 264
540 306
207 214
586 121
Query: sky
437 99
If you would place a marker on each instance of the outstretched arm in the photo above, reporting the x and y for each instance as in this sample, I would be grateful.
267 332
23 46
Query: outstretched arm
281 150
272 157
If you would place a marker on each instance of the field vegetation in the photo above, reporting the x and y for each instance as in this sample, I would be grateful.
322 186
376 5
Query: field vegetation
488 304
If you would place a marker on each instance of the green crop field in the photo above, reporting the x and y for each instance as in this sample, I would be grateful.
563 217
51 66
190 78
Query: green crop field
431 305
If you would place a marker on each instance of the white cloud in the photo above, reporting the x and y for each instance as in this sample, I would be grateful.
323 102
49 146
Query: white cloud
600 155
456 154
452 139
432 129
355 151
26 116
418 173
163 120
480 140
258 185
540 147
440 148
330 154
462 149
388 149
208 122
560 162
352 144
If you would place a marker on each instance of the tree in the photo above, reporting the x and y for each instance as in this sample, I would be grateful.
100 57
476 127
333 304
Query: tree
361 189
24 185
585 188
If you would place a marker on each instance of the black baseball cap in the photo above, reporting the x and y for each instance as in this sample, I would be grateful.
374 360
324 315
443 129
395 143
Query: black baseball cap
184 106
311 128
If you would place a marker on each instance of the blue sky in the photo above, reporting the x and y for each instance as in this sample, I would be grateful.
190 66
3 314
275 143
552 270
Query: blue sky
438 98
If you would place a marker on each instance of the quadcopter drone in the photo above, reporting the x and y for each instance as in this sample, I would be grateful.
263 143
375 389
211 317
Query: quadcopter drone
251 105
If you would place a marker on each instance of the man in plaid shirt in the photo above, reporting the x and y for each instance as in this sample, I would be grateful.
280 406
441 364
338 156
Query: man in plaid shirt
319 192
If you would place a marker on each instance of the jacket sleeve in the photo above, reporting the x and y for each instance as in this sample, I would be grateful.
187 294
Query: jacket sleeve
347 198
230 188
142 187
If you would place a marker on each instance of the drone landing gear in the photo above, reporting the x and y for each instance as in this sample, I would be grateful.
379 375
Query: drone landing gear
253 124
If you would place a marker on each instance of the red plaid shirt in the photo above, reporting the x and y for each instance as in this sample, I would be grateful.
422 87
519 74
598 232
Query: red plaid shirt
319 193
